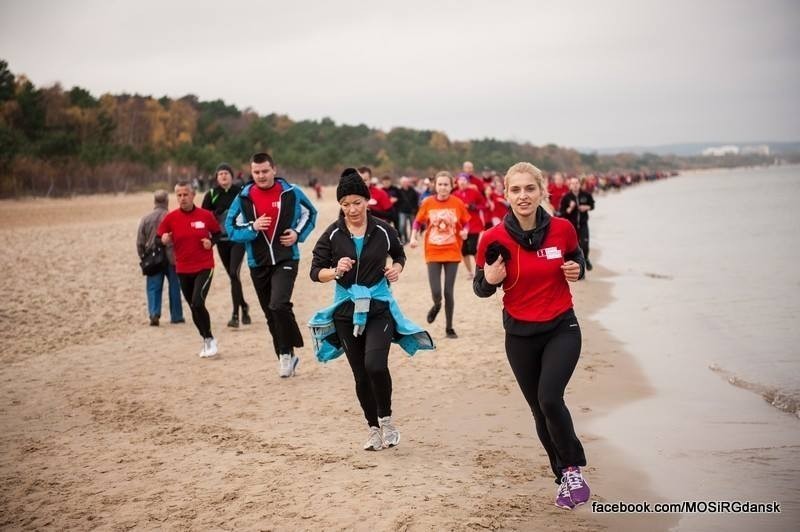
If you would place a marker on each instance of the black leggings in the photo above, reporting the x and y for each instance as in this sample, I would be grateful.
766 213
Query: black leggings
368 355
543 365
435 280
583 240
195 289
232 255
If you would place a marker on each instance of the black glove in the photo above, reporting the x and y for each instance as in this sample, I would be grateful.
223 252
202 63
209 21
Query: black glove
496 249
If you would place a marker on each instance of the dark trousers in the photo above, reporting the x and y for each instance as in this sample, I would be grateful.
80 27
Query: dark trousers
583 240
543 365
274 286
368 355
435 280
195 289
232 255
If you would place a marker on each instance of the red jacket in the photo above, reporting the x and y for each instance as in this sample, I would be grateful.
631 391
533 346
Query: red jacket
535 289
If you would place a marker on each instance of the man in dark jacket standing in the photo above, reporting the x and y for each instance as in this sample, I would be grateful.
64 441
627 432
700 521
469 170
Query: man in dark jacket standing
270 217
575 207
145 238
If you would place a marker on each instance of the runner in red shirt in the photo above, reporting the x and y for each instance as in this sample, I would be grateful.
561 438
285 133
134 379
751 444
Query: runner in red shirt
533 256
380 204
192 231
476 205
556 189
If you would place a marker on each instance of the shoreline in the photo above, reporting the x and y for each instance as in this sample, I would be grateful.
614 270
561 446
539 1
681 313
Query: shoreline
700 436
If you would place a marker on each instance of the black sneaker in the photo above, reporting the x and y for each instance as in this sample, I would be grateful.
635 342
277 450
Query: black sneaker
234 322
179 321
154 320
451 333
246 315
432 313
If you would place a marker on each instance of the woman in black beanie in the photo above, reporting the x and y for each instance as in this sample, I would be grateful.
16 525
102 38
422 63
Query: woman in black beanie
365 318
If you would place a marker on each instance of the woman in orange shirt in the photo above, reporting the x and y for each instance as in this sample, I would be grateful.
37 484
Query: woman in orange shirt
444 219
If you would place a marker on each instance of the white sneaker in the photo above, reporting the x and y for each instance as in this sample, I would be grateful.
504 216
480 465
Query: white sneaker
210 347
203 352
374 441
287 365
389 433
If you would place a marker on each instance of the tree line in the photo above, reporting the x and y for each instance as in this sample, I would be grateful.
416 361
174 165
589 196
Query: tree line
56 142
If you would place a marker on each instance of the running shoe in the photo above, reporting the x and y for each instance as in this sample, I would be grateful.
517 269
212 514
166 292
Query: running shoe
563 500
451 333
374 441
246 315
433 312
179 321
578 488
210 348
389 433
287 365
234 322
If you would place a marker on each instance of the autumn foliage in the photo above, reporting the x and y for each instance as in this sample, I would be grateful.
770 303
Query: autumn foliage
62 142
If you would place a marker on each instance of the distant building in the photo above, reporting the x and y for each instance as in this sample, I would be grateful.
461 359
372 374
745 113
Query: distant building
760 149
719 151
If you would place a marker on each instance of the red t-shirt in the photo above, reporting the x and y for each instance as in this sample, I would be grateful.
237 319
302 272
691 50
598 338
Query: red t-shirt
188 229
499 208
556 193
382 200
477 201
267 202
534 288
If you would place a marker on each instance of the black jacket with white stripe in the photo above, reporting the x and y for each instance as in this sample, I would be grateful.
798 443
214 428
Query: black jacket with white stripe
380 241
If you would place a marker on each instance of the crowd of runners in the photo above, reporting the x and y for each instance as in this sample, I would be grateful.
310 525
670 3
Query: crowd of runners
523 231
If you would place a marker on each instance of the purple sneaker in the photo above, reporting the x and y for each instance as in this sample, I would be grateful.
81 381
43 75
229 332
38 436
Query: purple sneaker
576 485
563 499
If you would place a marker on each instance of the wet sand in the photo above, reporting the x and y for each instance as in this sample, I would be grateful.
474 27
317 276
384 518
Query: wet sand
108 423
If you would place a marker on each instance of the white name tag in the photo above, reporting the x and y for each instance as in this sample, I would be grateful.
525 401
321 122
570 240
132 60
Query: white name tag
198 225
552 253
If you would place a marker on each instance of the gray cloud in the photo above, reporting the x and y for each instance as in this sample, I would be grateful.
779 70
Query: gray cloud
574 73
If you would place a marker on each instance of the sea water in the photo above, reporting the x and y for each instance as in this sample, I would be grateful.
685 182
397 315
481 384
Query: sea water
715 257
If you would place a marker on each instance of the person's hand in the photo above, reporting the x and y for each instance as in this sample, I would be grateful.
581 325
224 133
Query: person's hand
571 206
571 270
464 233
166 238
495 273
206 243
289 237
583 208
392 273
413 242
344 265
262 223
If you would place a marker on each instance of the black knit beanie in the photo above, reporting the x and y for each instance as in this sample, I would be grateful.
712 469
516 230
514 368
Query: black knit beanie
351 183
224 166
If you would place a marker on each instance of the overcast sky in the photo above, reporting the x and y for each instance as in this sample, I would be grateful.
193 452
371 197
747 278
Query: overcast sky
575 73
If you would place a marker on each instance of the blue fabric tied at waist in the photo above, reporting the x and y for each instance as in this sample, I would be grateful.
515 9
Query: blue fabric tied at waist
408 335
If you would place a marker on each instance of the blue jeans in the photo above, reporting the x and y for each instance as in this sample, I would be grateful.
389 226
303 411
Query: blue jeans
155 284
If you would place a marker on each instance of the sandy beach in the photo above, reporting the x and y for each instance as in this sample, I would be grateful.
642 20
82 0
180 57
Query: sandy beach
109 423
